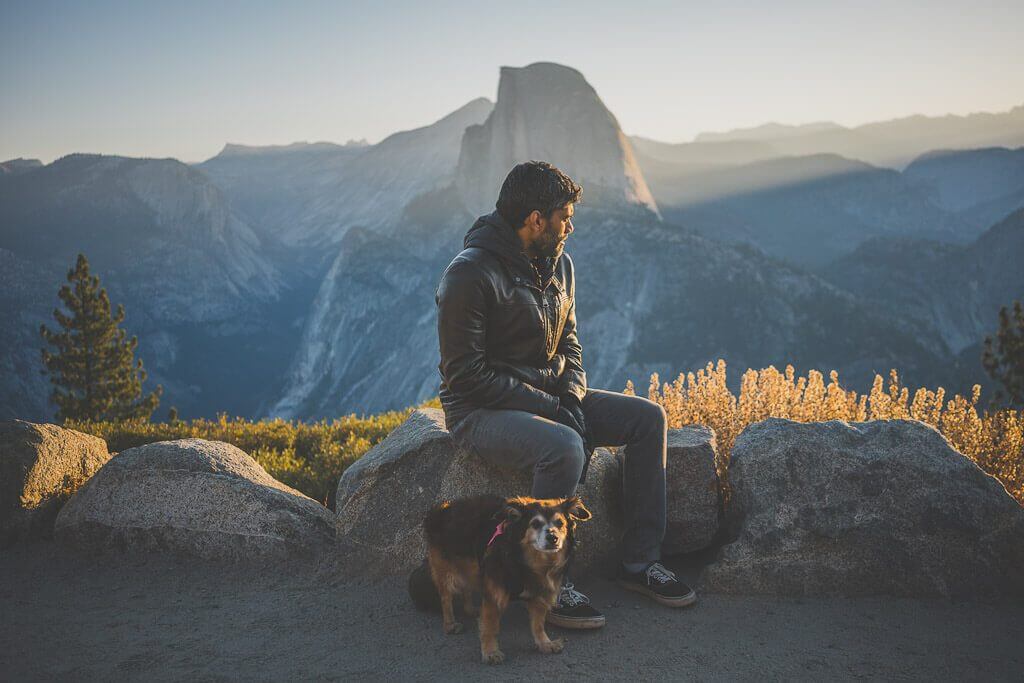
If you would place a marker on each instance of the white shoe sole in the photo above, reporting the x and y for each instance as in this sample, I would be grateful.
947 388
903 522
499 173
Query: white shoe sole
576 623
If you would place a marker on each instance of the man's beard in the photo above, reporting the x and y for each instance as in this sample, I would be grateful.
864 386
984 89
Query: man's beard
547 245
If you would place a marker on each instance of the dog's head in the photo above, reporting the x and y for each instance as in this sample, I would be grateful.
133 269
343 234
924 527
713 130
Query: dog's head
545 525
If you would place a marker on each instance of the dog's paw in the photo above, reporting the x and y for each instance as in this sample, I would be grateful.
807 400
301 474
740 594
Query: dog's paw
495 657
453 628
552 647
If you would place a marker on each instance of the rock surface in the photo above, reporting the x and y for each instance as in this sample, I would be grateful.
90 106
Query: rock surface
549 112
194 498
694 498
41 465
383 497
879 507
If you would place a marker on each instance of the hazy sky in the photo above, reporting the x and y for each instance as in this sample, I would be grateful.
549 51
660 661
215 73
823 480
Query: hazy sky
181 78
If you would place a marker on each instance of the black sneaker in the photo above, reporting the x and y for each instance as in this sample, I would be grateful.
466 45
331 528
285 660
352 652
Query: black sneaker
574 610
659 583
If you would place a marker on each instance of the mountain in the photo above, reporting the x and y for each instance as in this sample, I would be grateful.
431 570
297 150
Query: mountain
953 293
893 143
16 166
140 217
327 191
194 278
770 131
805 210
652 296
269 186
548 111
370 339
981 186
699 155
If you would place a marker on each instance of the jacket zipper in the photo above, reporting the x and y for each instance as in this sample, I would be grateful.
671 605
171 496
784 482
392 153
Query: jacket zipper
543 305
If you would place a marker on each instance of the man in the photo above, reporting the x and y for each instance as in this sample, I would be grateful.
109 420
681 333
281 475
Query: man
513 386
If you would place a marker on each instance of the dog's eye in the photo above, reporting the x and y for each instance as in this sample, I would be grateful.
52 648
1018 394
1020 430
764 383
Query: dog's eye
558 523
536 524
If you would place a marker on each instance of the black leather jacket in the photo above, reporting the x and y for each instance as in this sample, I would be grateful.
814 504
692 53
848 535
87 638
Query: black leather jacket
507 338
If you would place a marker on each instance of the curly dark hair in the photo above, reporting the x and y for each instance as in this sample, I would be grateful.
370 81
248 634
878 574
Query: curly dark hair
535 185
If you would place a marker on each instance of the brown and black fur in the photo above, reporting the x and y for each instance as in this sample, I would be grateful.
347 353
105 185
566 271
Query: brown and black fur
512 567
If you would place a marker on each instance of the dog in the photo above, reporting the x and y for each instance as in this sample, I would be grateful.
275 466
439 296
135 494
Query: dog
505 549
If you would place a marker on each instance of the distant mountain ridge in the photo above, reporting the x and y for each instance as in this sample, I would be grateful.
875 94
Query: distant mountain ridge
234 149
982 186
952 292
769 131
892 143
811 210
298 280
328 191
16 166
192 275
888 143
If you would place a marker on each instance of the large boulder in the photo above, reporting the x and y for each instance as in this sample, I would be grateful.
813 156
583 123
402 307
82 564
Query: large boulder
194 498
880 507
382 498
41 465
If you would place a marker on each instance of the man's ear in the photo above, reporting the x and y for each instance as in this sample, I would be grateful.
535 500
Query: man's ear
535 223
575 508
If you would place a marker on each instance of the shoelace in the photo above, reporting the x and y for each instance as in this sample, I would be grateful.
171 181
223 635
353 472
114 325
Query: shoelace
659 573
569 597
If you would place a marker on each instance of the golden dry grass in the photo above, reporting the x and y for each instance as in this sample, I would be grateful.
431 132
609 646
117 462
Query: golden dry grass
994 441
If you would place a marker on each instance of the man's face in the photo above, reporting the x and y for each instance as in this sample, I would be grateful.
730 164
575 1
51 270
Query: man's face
557 229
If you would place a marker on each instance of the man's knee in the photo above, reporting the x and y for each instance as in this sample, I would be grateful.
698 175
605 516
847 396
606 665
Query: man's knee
651 413
565 451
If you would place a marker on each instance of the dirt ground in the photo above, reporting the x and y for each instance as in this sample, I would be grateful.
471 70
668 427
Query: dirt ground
69 617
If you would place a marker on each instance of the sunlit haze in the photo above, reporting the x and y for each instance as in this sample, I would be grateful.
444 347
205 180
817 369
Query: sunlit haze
181 79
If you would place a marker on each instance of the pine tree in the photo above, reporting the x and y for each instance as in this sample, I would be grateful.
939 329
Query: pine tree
1003 358
93 368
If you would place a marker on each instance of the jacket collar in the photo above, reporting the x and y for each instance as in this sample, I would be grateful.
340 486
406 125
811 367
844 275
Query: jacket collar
496 235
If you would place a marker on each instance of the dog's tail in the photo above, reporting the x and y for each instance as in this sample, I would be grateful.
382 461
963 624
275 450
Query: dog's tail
422 589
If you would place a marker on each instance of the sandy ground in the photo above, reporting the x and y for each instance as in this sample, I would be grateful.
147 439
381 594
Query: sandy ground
76 618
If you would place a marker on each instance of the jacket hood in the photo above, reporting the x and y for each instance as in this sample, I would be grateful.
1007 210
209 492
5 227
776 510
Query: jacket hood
495 234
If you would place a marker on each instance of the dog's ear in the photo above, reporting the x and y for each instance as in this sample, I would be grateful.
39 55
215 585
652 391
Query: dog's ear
509 513
575 508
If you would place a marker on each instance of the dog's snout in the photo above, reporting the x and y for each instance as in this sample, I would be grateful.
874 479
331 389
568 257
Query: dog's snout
552 538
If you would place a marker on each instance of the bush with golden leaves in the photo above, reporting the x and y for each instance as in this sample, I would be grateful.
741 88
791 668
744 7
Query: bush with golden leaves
995 441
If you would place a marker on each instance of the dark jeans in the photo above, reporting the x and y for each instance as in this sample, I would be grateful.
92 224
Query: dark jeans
518 439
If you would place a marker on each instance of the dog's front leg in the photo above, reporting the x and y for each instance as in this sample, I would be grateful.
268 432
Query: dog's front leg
451 626
538 608
490 621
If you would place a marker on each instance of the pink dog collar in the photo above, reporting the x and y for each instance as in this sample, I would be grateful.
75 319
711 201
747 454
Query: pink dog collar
498 531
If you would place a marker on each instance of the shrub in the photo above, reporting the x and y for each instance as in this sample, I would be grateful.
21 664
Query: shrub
309 457
995 441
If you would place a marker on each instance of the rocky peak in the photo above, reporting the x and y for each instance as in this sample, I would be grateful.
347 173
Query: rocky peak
19 165
549 112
